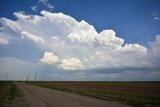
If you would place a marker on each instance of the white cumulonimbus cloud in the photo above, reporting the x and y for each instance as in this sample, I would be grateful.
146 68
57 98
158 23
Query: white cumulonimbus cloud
71 64
3 41
78 45
31 37
49 58
67 64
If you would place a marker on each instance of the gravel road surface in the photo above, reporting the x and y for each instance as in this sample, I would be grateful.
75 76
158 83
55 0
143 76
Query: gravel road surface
43 97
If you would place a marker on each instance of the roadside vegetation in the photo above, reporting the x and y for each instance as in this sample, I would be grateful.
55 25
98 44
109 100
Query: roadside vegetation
8 92
133 93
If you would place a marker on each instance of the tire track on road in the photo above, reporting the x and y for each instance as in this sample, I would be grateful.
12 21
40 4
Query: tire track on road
49 105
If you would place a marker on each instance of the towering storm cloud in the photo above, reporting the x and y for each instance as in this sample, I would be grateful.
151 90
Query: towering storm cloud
76 45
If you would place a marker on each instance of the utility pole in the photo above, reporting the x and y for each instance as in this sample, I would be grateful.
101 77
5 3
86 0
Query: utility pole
27 77
6 77
35 75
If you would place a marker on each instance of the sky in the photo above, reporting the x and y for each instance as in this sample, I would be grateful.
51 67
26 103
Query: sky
73 40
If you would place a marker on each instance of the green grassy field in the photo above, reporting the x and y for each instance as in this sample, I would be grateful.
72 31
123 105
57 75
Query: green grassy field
134 93
8 92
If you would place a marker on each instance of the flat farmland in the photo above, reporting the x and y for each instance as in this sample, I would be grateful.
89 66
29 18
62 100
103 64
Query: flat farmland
134 93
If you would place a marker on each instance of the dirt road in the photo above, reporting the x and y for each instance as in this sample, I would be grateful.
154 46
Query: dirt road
43 97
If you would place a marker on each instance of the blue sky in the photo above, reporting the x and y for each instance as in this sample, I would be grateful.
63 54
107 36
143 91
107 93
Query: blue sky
70 47
132 20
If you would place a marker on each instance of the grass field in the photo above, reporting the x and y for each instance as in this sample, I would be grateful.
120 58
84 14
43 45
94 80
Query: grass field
135 93
8 92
